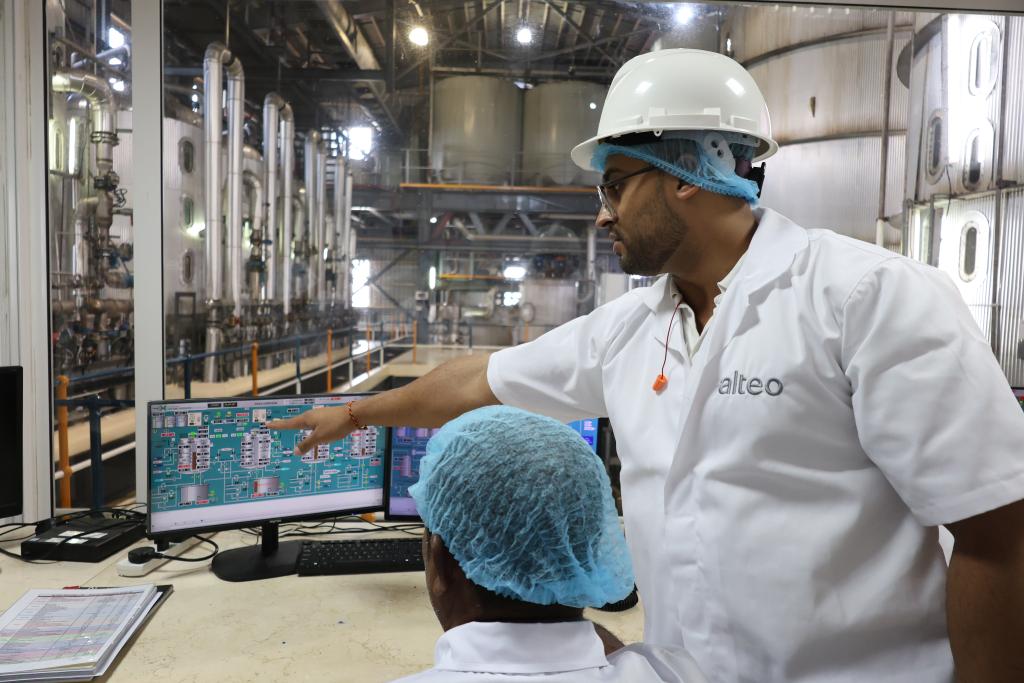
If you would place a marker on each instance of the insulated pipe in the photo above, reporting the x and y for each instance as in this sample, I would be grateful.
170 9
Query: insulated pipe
257 223
288 169
337 256
236 115
299 209
592 253
276 113
311 163
321 219
80 251
100 97
348 243
217 56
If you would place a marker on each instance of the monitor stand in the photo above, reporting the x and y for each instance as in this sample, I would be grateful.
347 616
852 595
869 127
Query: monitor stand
267 560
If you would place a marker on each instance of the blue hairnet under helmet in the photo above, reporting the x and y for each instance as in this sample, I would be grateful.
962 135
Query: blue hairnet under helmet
707 159
525 508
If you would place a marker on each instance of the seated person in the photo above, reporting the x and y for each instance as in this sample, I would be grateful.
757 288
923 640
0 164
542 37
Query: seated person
521 535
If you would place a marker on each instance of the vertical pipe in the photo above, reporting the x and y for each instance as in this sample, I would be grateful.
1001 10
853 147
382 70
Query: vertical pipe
348 242
415 338
255 361
288 170
321 220
271 138
62 441
883 174
996 340
236 114
369 341
96 455
257 224
337 255
311 150
330 369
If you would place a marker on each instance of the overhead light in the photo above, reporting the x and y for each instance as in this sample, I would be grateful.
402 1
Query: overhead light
195 86
514 272
195 98
419 36
684 13
524 35
432 277
117 84
115 61
728 42
82 104
433 219
115 38
593 105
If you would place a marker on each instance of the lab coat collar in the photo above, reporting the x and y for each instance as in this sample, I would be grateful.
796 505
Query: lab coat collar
520 648
775 244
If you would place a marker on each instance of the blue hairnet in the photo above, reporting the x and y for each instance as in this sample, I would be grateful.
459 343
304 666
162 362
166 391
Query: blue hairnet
706 159
525 507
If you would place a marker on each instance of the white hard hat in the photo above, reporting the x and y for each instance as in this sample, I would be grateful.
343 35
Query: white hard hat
682 89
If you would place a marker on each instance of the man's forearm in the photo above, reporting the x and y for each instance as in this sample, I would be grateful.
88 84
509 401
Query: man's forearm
985 615
447 391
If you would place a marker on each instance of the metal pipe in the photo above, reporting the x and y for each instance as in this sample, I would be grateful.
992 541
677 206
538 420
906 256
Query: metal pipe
337 256
85 208
236 114
214 61
256 227
321 220
101 109
883 173
311 151
299 209
274 108
348 242
288 170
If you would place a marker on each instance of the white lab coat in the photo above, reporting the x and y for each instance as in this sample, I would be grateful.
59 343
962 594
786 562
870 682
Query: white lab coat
562 652
781 494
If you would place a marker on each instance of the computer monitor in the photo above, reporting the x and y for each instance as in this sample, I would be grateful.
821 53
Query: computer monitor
1019 393
213 464
407 447
13 451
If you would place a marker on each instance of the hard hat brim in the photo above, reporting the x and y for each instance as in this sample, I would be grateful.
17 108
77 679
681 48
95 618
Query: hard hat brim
583 153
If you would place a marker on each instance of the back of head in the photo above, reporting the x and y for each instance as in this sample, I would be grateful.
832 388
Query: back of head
525 507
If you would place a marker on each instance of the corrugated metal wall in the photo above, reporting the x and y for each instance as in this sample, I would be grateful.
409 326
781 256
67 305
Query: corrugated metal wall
1013 140
826 102
761 30
1011 288
834 184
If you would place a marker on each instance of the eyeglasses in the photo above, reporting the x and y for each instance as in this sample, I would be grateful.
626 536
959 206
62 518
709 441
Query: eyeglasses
610 192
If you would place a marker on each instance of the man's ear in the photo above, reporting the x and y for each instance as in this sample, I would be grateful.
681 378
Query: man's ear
446 568
685 191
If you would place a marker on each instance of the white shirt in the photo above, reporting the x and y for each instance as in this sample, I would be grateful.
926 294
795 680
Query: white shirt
691 337
781 494
561 652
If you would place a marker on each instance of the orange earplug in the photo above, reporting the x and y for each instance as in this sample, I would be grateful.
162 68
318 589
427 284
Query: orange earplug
660 383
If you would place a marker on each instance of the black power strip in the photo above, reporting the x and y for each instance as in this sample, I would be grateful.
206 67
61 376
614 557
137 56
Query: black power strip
89 538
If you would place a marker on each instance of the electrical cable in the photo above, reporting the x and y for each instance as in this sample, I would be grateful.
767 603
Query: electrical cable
144 555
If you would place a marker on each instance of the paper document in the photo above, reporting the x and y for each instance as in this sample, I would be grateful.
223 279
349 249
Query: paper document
70 633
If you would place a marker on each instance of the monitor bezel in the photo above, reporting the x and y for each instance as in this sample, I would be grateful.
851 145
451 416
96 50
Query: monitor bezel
17 506
388 517
191 531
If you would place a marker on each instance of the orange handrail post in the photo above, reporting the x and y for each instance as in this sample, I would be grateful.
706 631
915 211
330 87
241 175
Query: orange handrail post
415 324
330 368
255 368
62 441
526 332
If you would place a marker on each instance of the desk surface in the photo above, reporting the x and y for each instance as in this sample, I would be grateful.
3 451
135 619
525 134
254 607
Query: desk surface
358 628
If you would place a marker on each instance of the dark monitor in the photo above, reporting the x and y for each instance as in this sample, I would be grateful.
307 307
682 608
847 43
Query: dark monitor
214 465
407 447
1018 392
11 427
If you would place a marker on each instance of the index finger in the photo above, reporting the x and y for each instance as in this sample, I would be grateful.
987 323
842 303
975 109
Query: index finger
297 422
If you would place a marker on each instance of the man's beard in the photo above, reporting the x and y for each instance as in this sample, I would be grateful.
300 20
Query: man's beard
648 250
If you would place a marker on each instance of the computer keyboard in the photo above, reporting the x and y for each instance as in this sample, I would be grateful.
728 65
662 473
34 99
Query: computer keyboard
360 557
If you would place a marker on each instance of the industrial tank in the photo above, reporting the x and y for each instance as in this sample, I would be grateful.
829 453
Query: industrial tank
476 129
184 217
556 117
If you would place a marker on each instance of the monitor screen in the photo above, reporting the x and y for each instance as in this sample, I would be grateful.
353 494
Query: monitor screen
214 464
409 445
587 429
11 427
1019 393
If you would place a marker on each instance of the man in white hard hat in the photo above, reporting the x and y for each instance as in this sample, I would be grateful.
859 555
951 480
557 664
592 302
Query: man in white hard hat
796 412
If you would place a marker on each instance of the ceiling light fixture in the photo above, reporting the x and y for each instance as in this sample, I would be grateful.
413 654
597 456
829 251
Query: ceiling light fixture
684 13
419 36
524 35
